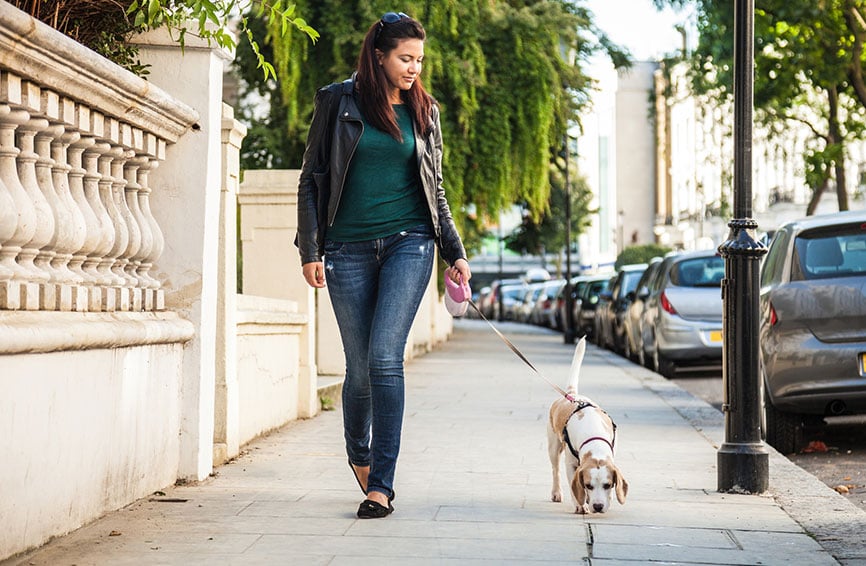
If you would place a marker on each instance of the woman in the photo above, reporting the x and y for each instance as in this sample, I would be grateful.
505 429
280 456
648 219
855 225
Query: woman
370 208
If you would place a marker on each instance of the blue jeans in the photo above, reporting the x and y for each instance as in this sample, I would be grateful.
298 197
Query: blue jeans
376 287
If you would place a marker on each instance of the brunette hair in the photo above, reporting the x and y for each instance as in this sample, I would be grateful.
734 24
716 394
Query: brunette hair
372 84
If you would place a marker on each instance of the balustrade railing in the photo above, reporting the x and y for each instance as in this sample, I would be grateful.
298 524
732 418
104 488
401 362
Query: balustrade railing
76 230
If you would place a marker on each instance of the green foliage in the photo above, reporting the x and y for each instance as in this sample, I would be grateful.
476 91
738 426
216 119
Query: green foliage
211 16
106 25
808 69
548 233
640 254
509 76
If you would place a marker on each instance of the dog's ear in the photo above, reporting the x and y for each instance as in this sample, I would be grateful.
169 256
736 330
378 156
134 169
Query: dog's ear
621 486
577 488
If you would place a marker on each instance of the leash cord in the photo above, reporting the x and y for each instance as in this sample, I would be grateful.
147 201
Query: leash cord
519 354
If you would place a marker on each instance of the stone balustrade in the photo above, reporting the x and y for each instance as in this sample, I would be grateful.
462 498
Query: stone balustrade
76 228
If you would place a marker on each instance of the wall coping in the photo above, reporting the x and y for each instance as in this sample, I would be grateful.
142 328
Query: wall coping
31 332
253 310
47 57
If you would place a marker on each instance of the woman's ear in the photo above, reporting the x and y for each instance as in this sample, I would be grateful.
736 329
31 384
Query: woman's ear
379 56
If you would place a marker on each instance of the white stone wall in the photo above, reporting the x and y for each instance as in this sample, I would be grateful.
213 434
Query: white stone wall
84 433
268 348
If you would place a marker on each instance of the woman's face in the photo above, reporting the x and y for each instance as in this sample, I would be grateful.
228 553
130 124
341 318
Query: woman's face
402 65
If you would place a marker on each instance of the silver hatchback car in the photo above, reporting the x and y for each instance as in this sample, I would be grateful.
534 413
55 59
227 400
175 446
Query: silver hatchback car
682 316
813 325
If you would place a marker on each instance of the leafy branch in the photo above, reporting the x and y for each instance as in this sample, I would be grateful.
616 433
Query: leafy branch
211 17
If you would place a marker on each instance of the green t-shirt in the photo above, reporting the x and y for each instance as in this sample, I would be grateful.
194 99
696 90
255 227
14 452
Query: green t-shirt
382 194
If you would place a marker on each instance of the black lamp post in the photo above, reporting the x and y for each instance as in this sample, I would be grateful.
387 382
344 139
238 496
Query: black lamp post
568 333
743 460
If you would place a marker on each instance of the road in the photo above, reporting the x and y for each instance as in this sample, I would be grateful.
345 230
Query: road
837 452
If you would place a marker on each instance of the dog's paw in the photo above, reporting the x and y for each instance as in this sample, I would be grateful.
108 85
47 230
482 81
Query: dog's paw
580 510
556 497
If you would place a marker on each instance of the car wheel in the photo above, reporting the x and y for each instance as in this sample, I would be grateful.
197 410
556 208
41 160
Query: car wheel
783 431
663 365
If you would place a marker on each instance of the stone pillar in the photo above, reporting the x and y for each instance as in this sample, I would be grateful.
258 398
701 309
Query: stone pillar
226 424
272 268
185 199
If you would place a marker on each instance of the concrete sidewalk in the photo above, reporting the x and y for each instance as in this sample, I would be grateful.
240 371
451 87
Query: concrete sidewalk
473 483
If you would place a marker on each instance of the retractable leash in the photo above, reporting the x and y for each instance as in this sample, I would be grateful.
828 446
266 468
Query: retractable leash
457 299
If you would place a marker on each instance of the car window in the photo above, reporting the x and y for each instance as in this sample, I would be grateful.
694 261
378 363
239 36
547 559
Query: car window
699 272
771 271
591 291
648 275
821 254
630 280
661 276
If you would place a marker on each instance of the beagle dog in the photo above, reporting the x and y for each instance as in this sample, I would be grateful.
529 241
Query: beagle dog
586 434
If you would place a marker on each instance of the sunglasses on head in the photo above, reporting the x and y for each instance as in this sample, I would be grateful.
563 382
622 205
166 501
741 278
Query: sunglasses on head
392 18
389 18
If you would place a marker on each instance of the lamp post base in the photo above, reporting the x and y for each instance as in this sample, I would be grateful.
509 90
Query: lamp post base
743 468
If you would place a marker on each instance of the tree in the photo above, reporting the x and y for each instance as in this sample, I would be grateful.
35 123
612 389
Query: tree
548 233
498 70
808 69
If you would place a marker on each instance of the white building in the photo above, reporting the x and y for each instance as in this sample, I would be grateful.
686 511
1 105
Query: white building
616 154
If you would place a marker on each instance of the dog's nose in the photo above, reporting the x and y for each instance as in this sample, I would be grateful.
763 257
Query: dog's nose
598 507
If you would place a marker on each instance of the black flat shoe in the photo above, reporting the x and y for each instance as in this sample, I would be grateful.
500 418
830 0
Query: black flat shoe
369 509
357 479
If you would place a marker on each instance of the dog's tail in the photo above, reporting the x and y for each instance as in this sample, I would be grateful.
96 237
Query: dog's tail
576 362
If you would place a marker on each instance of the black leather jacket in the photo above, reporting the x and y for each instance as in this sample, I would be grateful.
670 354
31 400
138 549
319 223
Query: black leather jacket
324 171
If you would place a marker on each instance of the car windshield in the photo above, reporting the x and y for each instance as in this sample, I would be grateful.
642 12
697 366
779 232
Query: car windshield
699 272
824 254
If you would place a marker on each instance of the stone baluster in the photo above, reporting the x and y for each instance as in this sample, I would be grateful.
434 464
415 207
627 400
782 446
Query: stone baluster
105 227
77 146
25 223
133 241
145 166
63 215
145 233
72 230
120 233
8 225
42 197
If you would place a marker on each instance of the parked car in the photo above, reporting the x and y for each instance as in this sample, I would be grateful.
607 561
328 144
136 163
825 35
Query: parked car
512 299
813 325
632 345
682 323
542 312
589 300
530 295
577 285
611 317
490 306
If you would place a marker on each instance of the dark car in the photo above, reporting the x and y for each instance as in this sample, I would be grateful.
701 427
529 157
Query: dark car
632 320
682 316
813 325
611 330
588 301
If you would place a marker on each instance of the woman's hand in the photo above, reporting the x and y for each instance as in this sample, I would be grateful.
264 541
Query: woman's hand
314 273
458 270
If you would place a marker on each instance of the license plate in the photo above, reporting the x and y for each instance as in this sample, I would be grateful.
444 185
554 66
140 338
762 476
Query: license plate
715 336
862 364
